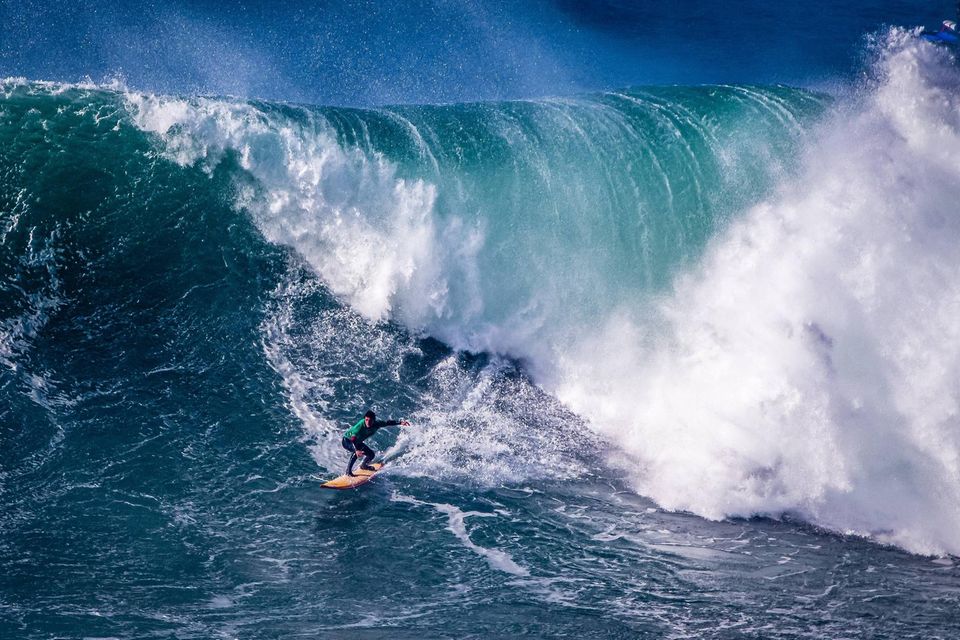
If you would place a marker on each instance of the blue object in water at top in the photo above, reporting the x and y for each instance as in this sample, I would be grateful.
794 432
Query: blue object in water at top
947 34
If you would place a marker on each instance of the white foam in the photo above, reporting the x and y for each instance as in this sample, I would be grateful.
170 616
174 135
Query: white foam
370 233
809 364
39 303
486 428
306 389
471 426
456 524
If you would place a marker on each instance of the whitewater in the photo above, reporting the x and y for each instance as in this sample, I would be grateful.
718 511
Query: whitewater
680 360
803 364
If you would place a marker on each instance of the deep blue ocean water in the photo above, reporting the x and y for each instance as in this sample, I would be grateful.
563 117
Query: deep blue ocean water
668 293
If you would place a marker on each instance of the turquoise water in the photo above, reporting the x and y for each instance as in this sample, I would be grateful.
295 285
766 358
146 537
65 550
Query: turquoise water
680 362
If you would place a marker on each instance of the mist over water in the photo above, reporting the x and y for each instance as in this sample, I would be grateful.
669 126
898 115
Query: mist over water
363 52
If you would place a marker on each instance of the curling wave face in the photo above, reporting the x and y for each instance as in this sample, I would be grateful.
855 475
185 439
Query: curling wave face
749 290
501 228
801 363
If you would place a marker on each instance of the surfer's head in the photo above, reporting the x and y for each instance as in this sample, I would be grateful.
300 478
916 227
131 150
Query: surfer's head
371 415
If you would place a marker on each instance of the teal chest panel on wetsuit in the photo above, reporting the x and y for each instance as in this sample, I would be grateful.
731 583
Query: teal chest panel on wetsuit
354 430
361 431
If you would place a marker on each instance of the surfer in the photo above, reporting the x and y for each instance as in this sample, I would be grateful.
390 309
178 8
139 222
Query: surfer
948 33
354 436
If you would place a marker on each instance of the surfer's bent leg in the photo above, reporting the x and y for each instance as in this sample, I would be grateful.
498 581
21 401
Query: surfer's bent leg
348 445
368 455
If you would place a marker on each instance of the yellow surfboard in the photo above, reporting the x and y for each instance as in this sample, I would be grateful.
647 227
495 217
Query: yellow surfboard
359 477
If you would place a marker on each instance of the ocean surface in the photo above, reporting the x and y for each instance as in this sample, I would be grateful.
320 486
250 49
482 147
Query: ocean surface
680 360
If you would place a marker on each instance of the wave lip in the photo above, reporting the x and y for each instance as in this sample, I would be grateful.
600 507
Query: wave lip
489 225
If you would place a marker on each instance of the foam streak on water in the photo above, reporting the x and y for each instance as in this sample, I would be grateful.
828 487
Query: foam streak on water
457 526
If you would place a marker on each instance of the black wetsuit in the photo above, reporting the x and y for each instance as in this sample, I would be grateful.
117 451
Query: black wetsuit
353 441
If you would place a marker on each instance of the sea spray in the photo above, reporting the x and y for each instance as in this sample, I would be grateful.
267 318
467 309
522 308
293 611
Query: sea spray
514 228
494 226
808 365
802 367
